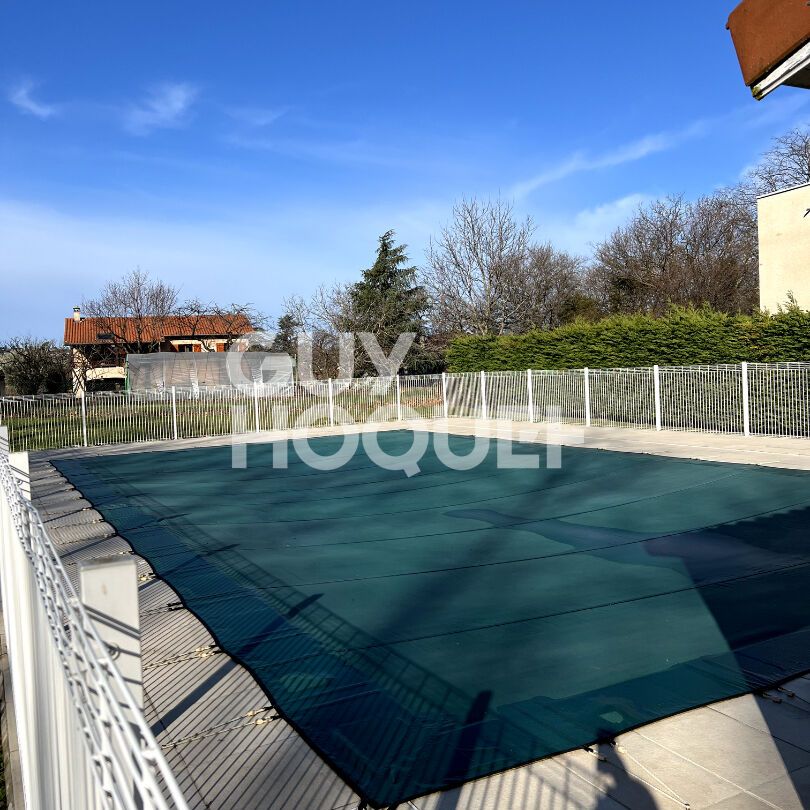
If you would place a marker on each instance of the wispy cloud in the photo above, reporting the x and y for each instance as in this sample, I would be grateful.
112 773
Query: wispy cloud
578 233
777 113
626 153
167 106
355 152
787 108
21 96
257 116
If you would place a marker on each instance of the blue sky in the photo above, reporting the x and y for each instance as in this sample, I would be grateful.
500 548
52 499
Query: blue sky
249 151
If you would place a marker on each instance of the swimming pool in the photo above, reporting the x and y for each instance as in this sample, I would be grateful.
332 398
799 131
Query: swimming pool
422 631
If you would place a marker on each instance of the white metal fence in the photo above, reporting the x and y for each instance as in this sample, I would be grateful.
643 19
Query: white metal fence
768 399
83 742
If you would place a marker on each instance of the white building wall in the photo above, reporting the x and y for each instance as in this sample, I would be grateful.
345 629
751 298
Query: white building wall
784 247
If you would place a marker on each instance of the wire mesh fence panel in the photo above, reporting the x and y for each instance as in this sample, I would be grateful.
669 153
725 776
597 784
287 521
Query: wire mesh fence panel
127 417
309 404
423 394
708 398
464 395
213 413
622 397
507 394
558 395
293 405
42 422
103 421
779 399
302 404
368 399
82 740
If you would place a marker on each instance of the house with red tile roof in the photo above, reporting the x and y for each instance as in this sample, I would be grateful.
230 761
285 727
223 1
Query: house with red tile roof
100 345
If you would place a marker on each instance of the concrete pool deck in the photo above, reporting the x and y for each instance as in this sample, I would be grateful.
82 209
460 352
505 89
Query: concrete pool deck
227 751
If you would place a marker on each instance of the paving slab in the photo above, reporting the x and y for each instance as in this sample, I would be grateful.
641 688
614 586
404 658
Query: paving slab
786 721
733 751
547 785
788 792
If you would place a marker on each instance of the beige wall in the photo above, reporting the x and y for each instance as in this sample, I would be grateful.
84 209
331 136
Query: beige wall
784 247
81 372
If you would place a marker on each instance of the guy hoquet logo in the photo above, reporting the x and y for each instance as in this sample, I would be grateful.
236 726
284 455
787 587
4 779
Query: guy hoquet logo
277 368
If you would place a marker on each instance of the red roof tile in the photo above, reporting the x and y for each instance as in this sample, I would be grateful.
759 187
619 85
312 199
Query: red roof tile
153 330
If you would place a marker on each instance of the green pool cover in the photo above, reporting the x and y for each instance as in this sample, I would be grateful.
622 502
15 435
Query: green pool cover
422 631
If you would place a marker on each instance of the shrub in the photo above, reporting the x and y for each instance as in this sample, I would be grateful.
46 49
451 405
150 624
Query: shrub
682 337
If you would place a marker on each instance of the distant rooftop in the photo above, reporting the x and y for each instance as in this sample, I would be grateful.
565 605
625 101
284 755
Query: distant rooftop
87 331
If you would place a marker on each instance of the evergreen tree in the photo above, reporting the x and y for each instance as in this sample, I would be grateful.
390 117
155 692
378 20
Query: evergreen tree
388 301
286 339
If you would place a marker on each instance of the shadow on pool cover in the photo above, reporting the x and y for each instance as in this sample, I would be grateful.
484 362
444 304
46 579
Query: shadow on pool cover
549 627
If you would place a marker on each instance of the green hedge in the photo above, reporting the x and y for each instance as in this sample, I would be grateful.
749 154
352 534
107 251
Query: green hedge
683 337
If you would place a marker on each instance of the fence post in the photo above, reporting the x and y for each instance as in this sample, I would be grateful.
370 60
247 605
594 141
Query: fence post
657 389
745 402
587 397
331 404
256 405
531 394
109 592
84 417
444 394
484 410
399 400
174 413
21 470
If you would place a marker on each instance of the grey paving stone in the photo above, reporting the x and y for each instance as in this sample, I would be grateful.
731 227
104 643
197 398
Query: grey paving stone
548 785
787 720
789 791
733 752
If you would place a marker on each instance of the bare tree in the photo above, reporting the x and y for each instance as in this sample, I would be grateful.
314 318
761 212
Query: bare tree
785 164
677 252
331 308
472 266
551 283
37 367
134 315
132 312
722 254
233 321
485 275
320 321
